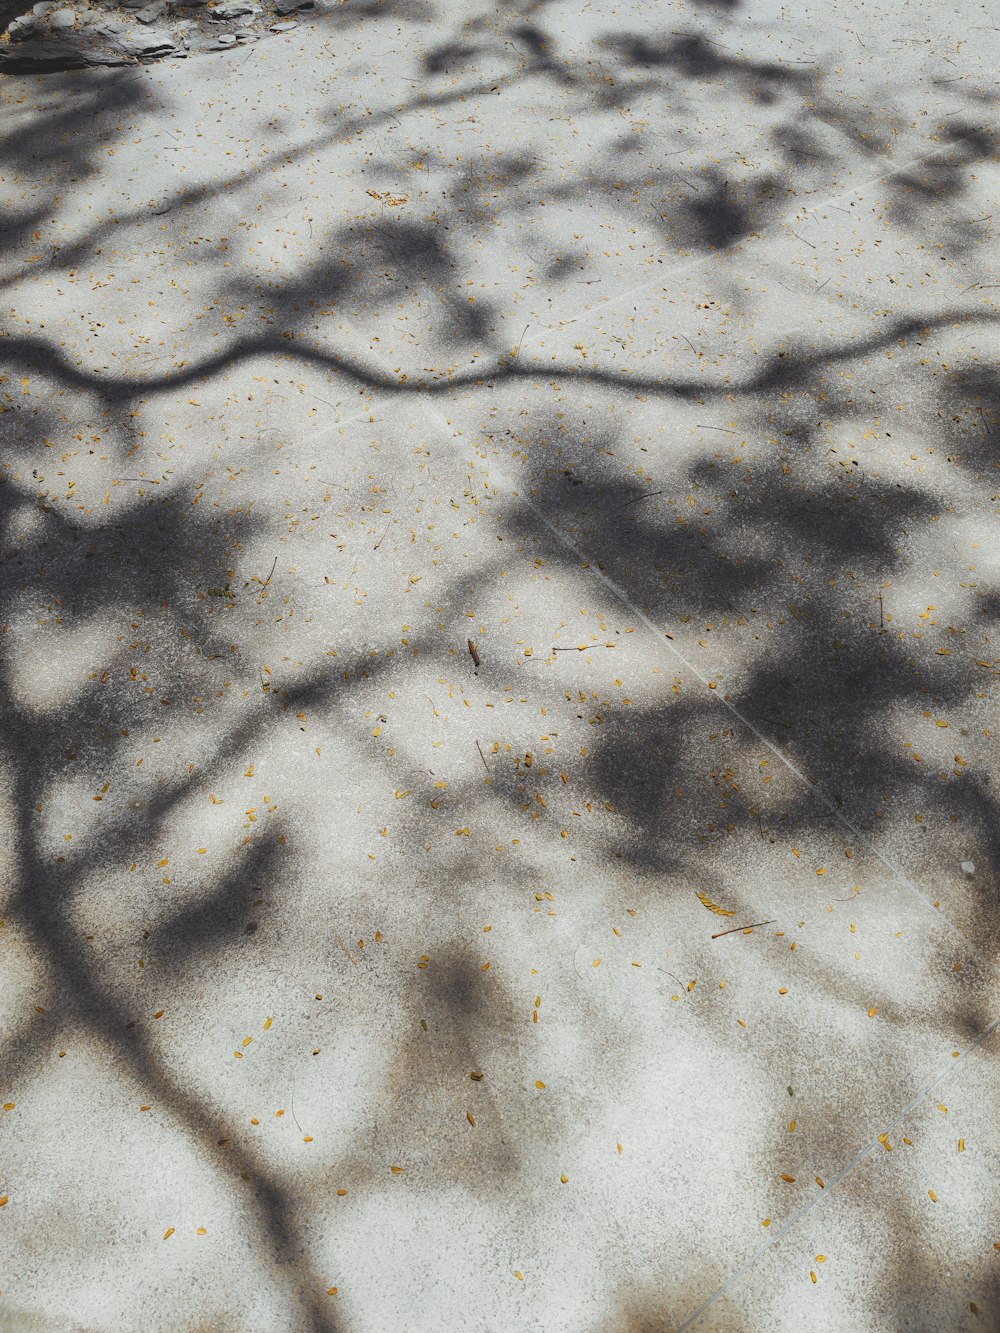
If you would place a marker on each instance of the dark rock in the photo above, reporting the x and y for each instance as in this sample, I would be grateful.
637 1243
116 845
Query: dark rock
290 6
151 13
48 57
21 29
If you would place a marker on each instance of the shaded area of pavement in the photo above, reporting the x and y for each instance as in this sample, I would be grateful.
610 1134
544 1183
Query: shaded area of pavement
357 980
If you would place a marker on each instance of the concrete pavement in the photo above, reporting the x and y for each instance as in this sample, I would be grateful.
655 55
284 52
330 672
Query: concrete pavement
357 980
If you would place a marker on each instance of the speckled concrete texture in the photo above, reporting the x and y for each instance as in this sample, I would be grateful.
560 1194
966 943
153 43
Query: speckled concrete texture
497 501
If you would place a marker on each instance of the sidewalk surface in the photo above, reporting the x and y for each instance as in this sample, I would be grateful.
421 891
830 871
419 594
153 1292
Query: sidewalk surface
492 497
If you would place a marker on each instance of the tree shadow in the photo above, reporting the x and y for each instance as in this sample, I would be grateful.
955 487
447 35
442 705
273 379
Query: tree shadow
823 678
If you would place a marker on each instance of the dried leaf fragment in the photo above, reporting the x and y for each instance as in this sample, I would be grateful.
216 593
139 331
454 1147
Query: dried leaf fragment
706 901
